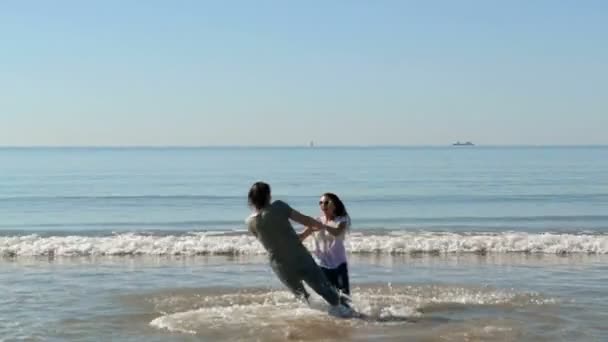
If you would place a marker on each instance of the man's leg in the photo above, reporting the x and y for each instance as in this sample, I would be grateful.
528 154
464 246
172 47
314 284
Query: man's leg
314 277
291 280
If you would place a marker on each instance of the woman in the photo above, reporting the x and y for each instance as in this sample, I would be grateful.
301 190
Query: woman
289 258
329 242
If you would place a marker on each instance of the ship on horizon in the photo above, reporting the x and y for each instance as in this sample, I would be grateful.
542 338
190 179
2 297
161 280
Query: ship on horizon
458 143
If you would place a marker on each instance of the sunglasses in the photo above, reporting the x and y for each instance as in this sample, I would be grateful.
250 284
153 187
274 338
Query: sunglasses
323 202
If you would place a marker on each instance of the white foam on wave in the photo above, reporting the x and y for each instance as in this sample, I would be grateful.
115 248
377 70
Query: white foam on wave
129 244
269 310
508 242
276 310
244 244
222 317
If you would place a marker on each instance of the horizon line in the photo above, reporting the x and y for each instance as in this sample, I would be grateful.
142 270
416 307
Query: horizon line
293 146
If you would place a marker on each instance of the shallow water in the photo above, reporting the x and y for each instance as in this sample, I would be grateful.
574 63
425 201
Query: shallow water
434 298
448 244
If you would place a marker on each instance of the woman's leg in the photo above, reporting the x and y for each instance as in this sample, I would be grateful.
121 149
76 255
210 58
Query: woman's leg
343 284
338 277
331 276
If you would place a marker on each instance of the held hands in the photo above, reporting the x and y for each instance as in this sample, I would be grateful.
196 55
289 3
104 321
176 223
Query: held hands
318 227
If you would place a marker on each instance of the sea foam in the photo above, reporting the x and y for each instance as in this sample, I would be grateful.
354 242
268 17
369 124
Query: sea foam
395 243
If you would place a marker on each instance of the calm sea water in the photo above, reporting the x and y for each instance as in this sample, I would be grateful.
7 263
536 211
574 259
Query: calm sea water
455 243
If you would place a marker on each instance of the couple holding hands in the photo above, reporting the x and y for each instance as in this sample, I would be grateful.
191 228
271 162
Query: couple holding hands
290 259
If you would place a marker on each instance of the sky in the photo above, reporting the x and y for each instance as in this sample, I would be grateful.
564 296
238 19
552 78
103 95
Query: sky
338 72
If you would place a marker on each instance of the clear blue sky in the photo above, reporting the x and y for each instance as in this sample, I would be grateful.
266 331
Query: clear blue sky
285 72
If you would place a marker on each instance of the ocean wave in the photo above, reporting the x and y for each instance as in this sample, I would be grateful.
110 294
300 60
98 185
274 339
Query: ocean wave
231 243
119 197
403 199
175 225
477 222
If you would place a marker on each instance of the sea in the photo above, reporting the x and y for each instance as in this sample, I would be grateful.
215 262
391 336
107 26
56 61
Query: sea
454 243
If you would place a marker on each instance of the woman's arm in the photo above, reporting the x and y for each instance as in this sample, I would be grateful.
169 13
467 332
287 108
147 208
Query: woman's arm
306 233
253 231
338 230
251 225
307 221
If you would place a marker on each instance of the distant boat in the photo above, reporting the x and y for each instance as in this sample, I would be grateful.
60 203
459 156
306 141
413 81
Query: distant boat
458 143
312 144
